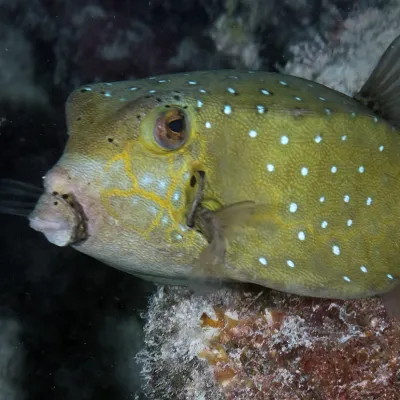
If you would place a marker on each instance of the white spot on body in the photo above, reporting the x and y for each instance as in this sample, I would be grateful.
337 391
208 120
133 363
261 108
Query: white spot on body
152 91
318 139
324 224
347 279
227 109
202 91
336 250
284 139
361 169
297 98
346 198
270 167
260 109
199 103
290 263
334 170
390 276
301 235
322 199
322 98
283 83
192 82
265 92
231 90
176 196
107 94
162 81
263 261
146 180
369 201
381 148
208 125
363 269
293 207
304 171
133 88
252 134
344 137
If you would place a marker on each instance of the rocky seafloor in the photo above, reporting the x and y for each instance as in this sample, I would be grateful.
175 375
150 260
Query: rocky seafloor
72 328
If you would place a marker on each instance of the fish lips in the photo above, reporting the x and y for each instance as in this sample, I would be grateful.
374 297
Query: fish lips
60 218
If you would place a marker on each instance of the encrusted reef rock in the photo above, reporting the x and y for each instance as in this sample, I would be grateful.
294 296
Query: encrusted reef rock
238 344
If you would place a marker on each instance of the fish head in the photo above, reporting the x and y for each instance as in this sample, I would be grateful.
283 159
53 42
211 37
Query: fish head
122 188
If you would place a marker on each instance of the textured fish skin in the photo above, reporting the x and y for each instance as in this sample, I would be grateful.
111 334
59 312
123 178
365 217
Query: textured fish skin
325 167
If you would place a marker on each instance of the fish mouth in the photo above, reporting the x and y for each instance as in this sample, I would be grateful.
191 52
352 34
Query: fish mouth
61 218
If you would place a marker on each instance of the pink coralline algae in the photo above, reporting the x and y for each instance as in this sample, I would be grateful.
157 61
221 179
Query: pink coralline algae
305 348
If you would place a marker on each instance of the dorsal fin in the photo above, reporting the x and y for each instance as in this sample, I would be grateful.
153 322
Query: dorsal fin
381 92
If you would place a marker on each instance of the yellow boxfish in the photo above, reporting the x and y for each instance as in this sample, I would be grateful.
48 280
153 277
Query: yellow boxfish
229 175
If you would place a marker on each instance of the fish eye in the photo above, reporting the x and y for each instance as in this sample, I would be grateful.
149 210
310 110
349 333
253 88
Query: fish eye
171 130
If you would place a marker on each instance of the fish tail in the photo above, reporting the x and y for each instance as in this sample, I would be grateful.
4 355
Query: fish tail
381 91
18 198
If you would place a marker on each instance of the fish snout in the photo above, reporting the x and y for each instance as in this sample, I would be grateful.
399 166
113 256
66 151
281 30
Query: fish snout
60 218
58 214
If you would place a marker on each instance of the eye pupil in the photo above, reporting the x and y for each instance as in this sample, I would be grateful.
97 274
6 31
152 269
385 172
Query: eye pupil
172 129
177 125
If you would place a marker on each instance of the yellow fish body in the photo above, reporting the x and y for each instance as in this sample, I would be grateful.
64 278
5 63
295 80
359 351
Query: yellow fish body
323 167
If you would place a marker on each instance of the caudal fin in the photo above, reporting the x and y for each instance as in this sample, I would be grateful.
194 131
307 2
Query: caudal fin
18 198
381 91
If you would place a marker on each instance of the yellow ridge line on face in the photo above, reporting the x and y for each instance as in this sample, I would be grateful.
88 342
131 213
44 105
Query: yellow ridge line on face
165 204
